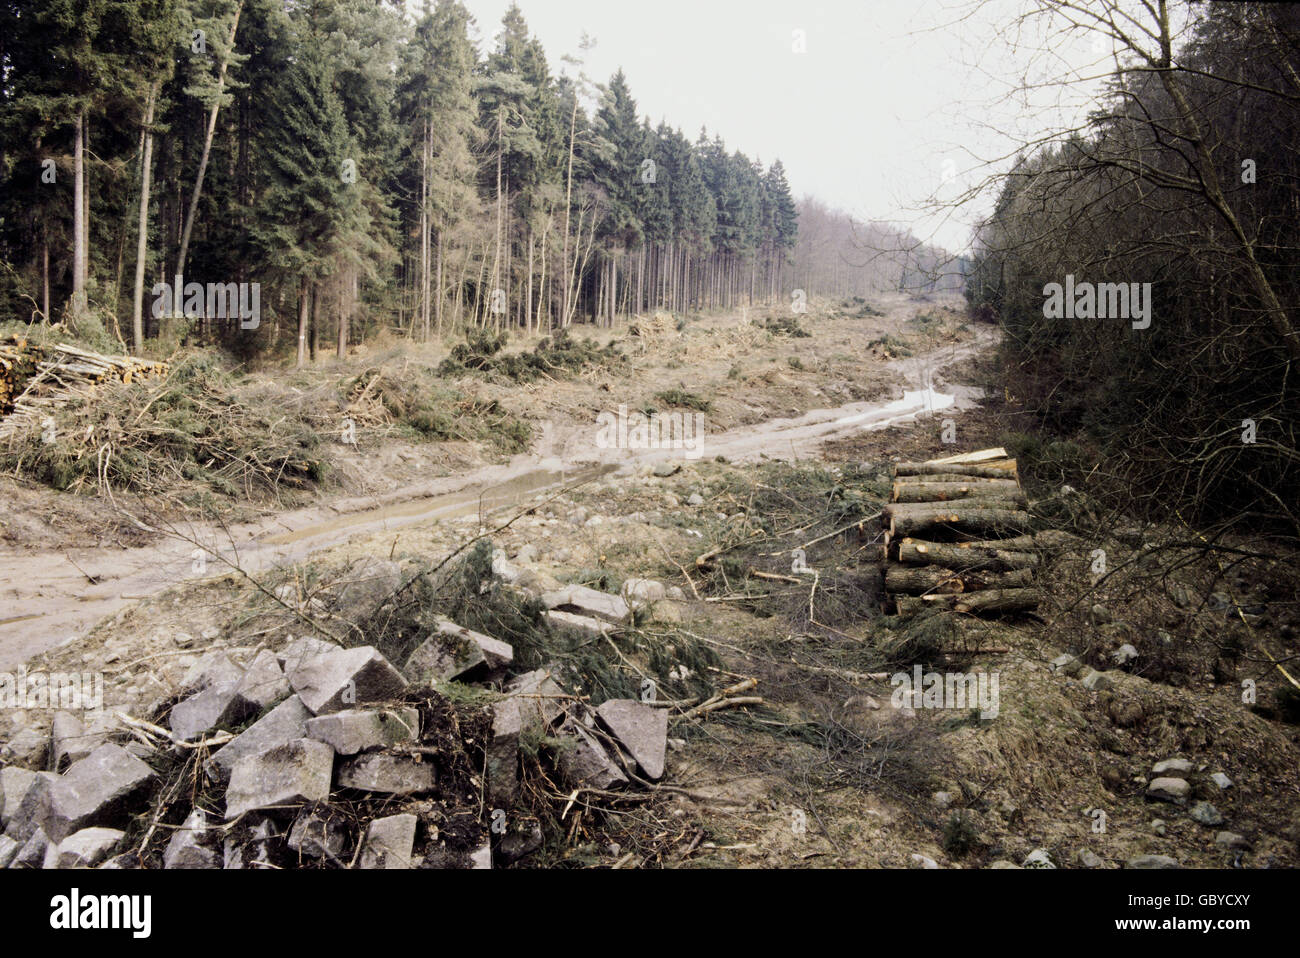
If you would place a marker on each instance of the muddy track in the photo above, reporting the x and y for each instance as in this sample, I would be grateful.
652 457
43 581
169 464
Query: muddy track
49 598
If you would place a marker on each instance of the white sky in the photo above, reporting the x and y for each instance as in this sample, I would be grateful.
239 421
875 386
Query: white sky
893 100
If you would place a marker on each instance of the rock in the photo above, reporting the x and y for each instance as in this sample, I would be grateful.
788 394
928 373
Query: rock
98 790
32 854
676 594
482 858
316 834
86 848
568 623
665 469
69 740
250 845
28 747
389 843
1124 712
262 685
695 499
28 801
1172 766
193 845
527 553
641 729
1125 654
14 783
1066 664
302 650
201 713
1206 814
503 752
212 668
1169 790
642 591
291 774
332 681
390 774
587 601
942 800
504 569
1232 841
354 731
922 861
1159 827
1221 780
283 724
586 764
1101 615
1089 859
366 586
1000 865
8 850
518 844
541 700
1039 858
1097 681
1152 861
453 652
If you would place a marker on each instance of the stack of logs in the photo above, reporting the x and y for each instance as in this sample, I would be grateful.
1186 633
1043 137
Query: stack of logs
35 379
958 537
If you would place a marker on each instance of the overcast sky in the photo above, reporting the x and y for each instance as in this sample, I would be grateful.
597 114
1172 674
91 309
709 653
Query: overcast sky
892 101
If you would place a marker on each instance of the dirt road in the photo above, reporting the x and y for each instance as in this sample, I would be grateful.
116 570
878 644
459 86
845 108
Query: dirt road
49 598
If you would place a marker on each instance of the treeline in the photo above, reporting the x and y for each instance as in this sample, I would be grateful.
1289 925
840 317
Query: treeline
1186 178
365 170
838 255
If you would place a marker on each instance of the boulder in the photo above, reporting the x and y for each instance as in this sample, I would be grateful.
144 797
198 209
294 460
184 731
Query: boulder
1169 790
332 681
86 848
317 834
193 845
1206 814
1152 861
585 601
8 850
70 741
1172 766
98 790
386 773
291 774
585 763
262 685
581 626
212 668
452 652
284 723
354 731
641 729
540 697
14 783
33 852
203 712
27 747
389 843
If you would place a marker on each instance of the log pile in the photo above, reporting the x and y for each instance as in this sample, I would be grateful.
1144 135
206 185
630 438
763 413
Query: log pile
35 379
958 536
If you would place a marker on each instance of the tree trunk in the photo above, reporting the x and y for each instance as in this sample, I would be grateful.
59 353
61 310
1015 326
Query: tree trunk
962 471
304 306
207 146
965 519
142 235
79 251
915 492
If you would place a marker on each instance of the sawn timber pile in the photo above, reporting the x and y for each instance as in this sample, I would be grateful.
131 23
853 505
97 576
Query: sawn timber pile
958 536
36 378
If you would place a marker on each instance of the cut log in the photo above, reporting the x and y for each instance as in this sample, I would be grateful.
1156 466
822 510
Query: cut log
947 491
982 520
933 579
991 470
982 455
992 600
963 556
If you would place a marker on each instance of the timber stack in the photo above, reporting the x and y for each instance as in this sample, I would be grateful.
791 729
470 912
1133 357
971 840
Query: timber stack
958 537
35 378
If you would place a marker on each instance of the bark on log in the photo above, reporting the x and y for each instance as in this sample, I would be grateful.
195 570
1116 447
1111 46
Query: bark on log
948 491
961 556
993 600
905 521
1001 470
953 477
937 580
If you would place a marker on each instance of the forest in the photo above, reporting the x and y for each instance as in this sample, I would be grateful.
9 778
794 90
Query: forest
366 169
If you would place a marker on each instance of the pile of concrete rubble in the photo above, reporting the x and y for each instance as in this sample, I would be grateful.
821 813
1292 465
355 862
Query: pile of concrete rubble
349 760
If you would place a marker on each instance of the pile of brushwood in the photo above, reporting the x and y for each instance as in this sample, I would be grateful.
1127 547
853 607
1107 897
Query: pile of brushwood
557 357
